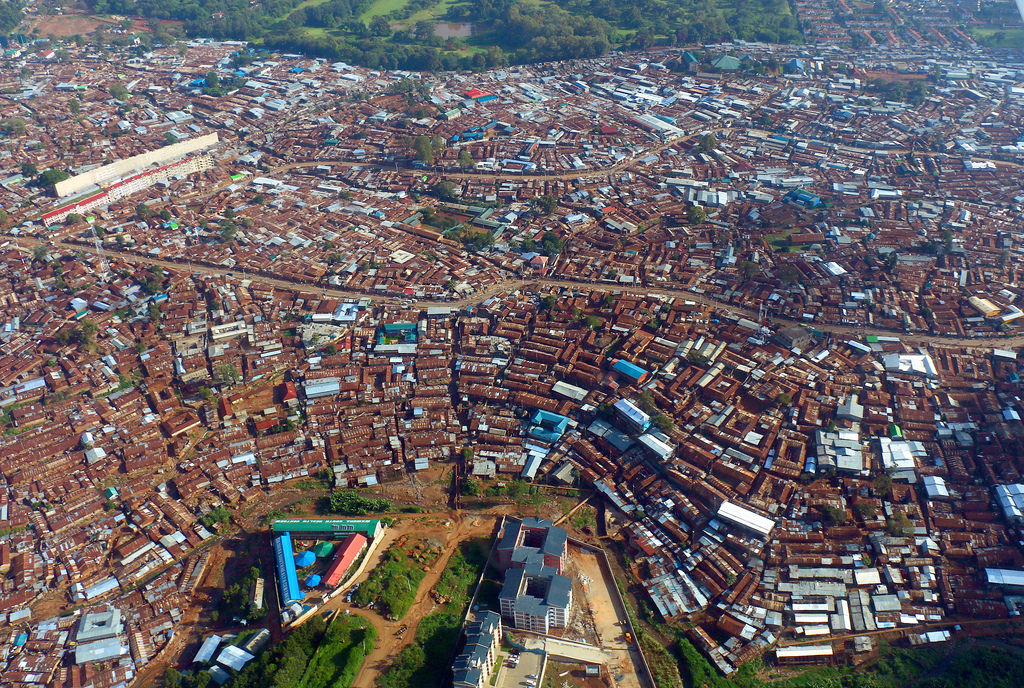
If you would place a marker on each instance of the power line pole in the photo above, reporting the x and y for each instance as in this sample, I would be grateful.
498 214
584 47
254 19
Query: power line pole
98 245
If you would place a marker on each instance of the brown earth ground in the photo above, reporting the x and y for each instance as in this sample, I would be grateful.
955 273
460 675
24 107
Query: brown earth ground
65 25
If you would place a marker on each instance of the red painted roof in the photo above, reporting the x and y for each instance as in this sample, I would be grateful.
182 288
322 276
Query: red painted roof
344 559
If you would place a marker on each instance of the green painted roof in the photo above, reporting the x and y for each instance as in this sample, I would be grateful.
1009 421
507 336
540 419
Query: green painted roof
726 62
326 525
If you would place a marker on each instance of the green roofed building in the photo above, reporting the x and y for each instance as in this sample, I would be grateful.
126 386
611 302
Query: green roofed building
727 63
326 528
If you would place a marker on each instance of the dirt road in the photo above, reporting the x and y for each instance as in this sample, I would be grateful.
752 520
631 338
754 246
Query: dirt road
858 333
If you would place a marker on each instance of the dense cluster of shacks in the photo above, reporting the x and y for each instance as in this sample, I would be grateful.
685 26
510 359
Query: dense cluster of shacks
914 25
740 463
823 200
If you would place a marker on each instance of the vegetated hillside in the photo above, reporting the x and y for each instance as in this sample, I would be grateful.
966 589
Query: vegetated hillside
10 15
402 33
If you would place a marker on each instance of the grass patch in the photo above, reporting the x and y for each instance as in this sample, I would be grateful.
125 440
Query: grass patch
779 241
999 38
380 7
663 664
431 13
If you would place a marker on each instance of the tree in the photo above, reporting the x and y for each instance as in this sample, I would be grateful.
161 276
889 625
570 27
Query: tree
784 398
707 143
446 191
662 422
947 240
547 204
12 126
74 106
789 274
3 218
85 334
379 26
423 31
899 525
646 402
748 270
143 211
696 215
50 177
226 373
228 230
882 487
173 678
548 302
28 169
834 515
466 161
866 510
423 149
118 91
39 253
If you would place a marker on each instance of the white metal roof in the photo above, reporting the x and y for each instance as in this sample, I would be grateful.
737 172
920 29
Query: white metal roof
743 516
1013 577
803 651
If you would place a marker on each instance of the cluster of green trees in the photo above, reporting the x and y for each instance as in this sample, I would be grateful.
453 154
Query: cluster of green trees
83 334
649 405
913 92
516 31
153 280
336 662
312 656
351 503
50 177
10 15
391 586
219 514
896 667
12 126
475 240
236 602
425 148
533 33
550 244
426 662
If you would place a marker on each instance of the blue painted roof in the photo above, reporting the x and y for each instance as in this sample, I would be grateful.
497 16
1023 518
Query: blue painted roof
287 578
627 368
